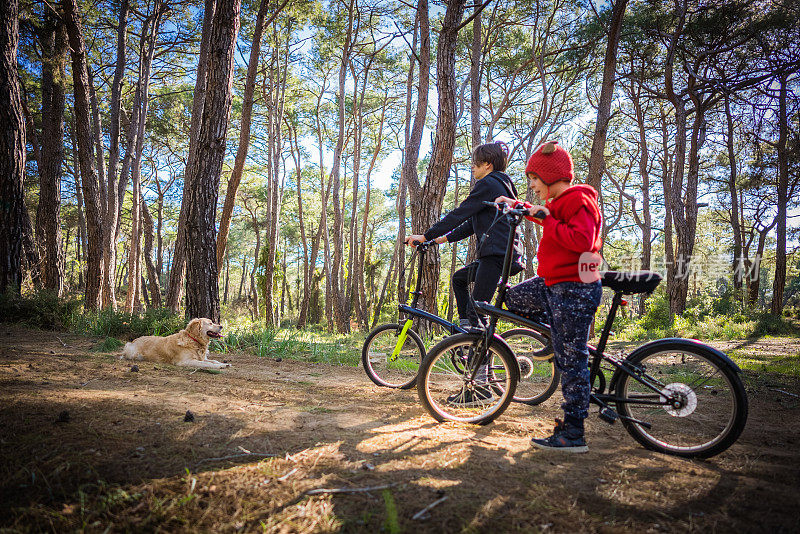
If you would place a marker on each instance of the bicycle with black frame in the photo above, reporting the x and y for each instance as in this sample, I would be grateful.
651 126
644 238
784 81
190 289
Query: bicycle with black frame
392 352
676 396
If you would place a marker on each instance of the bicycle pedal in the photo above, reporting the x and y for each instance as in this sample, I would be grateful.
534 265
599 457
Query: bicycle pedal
608 415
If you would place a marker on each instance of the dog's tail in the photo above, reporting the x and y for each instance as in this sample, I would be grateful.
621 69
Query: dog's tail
130 353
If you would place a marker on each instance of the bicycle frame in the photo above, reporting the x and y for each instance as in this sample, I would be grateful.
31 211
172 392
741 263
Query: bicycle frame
413 311
600 397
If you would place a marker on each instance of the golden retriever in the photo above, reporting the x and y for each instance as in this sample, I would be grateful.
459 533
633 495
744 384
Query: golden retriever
188 348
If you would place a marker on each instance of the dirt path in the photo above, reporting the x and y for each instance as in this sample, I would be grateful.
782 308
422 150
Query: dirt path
267 432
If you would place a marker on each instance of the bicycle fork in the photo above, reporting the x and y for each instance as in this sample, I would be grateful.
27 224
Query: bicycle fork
401 339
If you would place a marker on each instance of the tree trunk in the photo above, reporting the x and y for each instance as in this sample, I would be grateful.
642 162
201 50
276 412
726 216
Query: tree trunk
779 283
475 78
337 300
597 162
91 193
141 103
202 294
275 185
738 260
30 254
244 134
152 274
427 206
48 224
178 270
111 222
12 151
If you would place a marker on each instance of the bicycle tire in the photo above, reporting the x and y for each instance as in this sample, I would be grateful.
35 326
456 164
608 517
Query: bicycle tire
439 379
538 375
711 409
376 357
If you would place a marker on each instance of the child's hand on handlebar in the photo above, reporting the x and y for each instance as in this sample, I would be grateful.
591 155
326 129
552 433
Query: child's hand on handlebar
509 202
414 240
540 212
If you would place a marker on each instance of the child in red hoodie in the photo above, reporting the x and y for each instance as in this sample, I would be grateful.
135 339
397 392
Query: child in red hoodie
567 291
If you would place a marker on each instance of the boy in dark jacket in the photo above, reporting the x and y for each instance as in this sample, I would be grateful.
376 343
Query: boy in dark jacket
567 291
472 216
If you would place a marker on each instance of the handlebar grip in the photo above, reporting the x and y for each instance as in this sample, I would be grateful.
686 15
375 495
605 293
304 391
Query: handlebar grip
540 214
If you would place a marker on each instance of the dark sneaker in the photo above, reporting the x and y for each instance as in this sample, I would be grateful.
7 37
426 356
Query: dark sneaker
564 438
467 398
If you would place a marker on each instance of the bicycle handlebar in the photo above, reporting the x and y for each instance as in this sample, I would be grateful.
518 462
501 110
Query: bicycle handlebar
540 214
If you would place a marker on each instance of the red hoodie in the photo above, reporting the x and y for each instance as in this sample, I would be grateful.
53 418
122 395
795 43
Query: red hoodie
571 229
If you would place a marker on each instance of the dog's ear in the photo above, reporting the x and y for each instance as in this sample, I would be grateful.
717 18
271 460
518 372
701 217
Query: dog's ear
194 327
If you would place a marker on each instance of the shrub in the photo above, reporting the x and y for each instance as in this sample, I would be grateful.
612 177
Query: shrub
111 323
42 309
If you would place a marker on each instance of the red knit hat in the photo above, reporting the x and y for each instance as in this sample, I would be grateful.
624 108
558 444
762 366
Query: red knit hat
551 163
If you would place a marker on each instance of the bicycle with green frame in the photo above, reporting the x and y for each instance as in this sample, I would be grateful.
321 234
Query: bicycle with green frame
392 352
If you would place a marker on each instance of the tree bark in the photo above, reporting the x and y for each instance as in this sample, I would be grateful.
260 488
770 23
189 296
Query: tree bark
48 224
244 134
152 274
141 103
738 260
340 315
779 283
91 193
112 204
275 188
12 151
202 294
178 270
427 206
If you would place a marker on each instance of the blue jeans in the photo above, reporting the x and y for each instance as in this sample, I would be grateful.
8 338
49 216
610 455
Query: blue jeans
569 308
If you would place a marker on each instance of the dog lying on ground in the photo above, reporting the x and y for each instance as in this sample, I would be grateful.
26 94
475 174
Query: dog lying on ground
188 348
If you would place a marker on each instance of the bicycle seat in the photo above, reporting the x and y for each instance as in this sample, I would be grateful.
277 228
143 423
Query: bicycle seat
631 282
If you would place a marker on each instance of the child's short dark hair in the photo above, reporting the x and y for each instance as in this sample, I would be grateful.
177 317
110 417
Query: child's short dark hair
495 153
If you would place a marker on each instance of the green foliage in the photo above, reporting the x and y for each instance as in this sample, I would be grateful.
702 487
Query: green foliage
109 344
391 523
110 323
42 309
718 318
309 345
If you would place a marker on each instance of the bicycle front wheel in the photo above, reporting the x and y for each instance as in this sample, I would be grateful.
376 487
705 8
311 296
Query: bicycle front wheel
538 374
448 391
698 408
389 360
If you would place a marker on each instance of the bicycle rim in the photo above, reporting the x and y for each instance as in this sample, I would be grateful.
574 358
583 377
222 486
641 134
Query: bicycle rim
388 365
709 410
449 394
538 375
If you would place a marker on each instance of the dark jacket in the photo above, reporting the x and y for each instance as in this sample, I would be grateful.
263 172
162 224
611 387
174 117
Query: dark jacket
472 216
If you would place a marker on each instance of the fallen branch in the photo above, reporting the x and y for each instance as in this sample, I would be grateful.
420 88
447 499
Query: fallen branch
287 475
232 456
423 514
785 392
321 491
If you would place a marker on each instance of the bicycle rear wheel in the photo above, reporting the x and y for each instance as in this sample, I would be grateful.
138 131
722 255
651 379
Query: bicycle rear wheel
447 391
388 364
538 374
700 408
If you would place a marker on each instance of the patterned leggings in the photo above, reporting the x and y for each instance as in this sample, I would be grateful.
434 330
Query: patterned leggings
569 308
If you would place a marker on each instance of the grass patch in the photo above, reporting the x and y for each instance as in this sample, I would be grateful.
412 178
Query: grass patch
112 323
305 345
109 344
391 524
760 364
